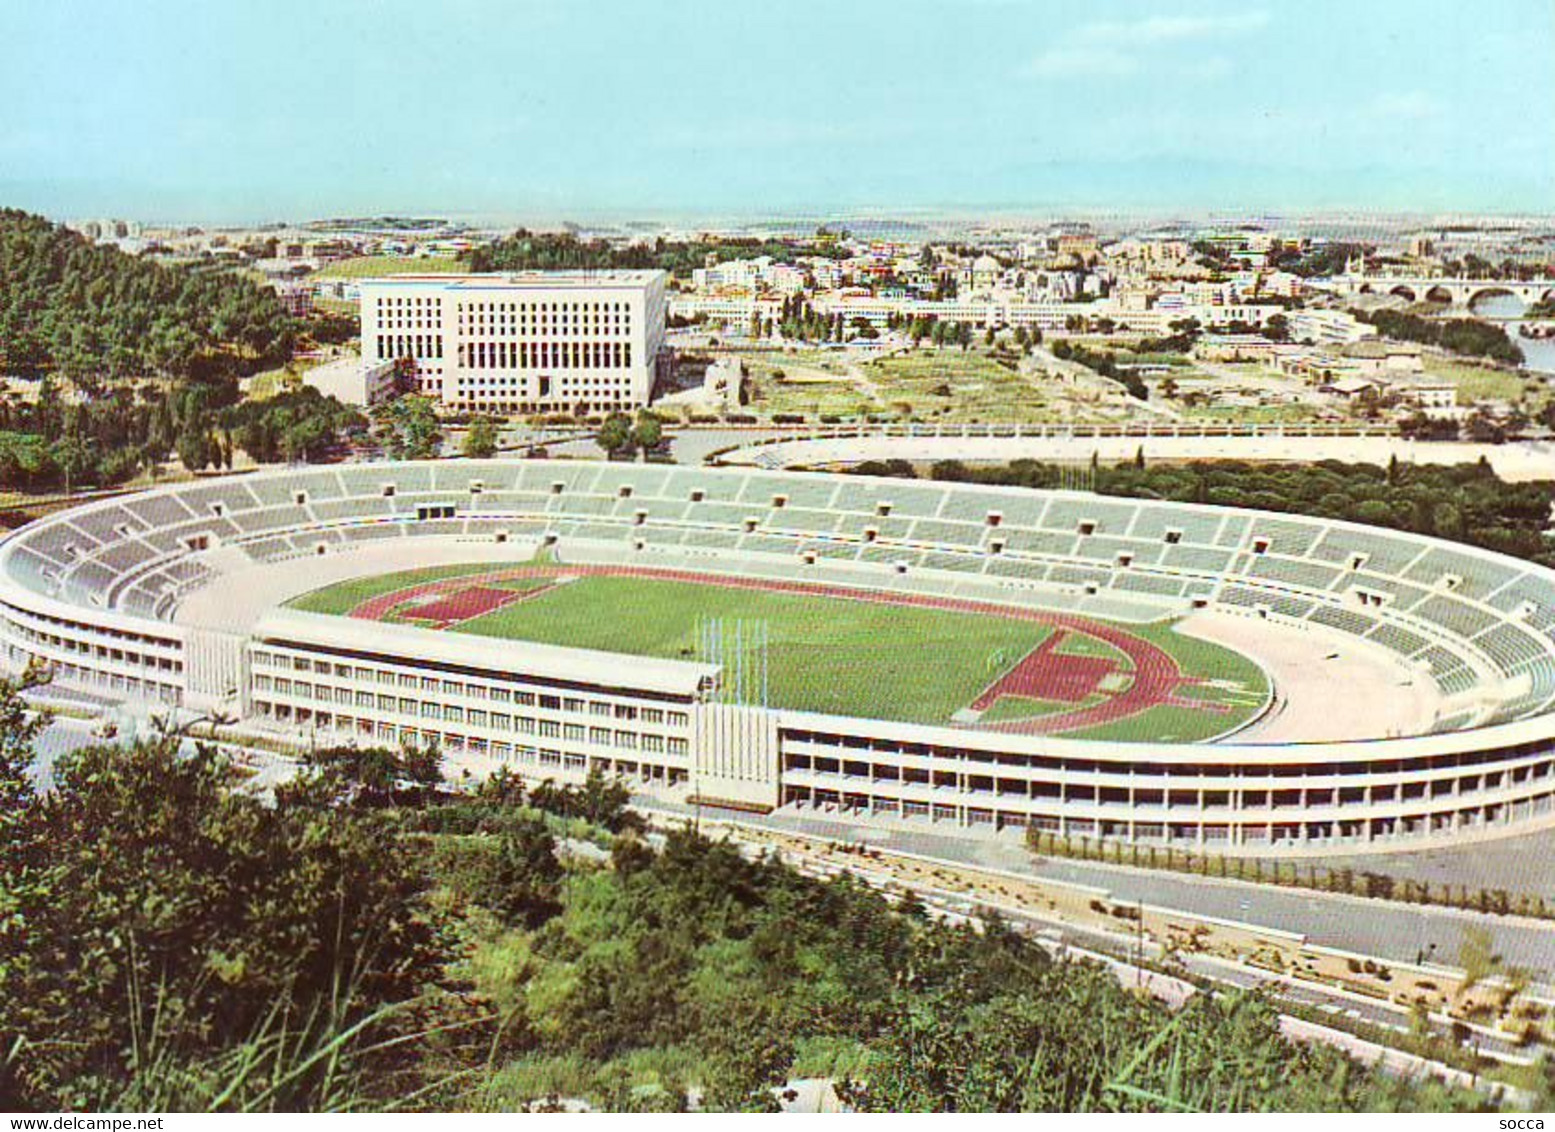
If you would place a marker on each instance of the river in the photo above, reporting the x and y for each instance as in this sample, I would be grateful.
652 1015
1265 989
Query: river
1506 310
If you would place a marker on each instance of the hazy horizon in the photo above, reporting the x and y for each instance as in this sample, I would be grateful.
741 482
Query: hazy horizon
170 111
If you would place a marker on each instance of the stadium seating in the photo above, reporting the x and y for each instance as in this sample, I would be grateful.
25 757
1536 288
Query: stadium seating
1467 616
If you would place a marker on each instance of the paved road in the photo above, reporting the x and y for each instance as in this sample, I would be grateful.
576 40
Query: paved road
1399 932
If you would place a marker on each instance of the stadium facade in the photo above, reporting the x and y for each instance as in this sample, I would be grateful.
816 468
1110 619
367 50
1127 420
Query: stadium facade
521 342
101 592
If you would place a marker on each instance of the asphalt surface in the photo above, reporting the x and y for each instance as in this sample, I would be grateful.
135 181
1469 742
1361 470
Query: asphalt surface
1401 932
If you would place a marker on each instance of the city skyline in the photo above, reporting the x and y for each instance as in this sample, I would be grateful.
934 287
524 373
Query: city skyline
250 113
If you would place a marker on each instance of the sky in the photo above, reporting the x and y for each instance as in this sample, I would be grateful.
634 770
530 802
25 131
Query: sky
242 111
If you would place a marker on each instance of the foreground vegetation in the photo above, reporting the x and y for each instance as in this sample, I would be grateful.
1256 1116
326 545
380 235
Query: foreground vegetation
369 942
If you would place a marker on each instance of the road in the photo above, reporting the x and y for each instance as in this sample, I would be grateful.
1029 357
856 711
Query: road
1386 930
1339 1006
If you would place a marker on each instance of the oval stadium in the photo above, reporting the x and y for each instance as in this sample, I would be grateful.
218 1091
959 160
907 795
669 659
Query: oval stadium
902 651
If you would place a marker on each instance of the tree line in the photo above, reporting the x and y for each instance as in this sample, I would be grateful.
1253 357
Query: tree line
1467 336
57 442
1105 364
555 251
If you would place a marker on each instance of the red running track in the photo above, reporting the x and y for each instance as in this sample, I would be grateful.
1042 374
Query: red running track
1156 675
461 605
1046 674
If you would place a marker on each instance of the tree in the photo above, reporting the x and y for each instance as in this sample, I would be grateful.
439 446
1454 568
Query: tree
521 878
172 919
647 433
480 442
408 427
615 435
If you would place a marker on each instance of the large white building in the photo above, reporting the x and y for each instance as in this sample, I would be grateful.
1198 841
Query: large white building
523 342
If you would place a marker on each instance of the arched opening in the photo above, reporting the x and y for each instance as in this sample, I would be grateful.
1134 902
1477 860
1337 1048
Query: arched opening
1496 302
1403 292
1439 294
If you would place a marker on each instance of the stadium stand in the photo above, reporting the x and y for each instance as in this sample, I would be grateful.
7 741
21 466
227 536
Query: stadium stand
96 590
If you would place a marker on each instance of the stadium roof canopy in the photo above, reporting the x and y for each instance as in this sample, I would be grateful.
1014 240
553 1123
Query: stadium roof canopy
467 650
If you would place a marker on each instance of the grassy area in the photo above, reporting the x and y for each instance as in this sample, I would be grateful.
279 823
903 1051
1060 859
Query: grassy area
829 655
369 266
1205 660
407 613
1480 383
832 654
1011 709
1254 414
1079 644
949 385
1164 723
953 385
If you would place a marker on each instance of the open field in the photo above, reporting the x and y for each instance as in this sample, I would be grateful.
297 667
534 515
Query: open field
370 266
1481 383
825 655
844 653
942 385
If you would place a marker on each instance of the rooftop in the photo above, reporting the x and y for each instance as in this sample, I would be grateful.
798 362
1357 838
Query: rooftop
491 654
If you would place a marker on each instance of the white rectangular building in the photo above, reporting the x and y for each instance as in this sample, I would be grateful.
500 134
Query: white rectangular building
524 342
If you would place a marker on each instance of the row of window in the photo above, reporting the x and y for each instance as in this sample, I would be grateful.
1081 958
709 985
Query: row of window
426 711
541 309
88 648
864 748
545 355
968 780
495 693
410 346
453 742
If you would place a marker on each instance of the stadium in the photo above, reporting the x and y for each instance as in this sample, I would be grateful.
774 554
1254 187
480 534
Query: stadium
876 650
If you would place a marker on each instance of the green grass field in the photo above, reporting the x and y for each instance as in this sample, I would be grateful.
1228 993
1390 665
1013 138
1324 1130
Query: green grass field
346 596
830 654
825 654
372 266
